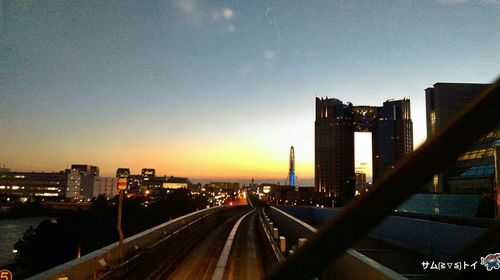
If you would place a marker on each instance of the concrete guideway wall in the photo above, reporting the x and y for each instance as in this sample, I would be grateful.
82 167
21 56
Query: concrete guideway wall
438 239
432 238
352 265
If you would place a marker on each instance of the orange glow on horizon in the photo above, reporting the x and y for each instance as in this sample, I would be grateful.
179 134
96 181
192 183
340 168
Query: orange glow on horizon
212 160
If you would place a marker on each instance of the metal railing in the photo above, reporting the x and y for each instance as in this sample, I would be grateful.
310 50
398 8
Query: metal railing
361 215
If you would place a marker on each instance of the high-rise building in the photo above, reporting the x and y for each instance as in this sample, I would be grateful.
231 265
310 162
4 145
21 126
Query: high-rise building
392 134
473 172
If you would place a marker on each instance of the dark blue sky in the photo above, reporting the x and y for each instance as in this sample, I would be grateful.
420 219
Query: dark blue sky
219 88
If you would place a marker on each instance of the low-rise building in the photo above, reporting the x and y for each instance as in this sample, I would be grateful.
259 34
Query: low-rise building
93 185
27 185
176 183
75 184
224 186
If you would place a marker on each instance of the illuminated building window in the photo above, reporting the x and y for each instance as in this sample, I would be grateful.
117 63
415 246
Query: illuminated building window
433 122
435 183
476 154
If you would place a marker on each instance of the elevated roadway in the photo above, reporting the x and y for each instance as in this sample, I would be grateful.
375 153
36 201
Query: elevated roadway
201 261
234 249
223 246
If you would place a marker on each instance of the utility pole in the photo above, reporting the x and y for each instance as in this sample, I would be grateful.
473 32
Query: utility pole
122 185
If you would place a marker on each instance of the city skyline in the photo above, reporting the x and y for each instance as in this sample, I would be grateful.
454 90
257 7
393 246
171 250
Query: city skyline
219 90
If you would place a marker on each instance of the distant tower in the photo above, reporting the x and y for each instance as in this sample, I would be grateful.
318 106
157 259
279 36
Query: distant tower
291 170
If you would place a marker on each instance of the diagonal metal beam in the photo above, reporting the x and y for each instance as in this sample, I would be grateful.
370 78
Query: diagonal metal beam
361 215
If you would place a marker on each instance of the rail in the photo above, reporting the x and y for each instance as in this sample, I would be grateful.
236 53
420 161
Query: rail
358 218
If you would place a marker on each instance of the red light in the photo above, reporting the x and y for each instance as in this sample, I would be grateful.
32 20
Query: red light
230 204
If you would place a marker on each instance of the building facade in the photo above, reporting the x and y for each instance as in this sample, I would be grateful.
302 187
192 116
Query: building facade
176 183
149 179
86 168
40 185
81 182
104 186
122 172
474 170
335 125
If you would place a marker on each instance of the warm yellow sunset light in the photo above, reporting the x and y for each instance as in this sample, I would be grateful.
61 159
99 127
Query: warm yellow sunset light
363 153
218 158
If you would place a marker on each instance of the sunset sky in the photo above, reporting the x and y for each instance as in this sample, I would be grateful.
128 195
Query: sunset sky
219 89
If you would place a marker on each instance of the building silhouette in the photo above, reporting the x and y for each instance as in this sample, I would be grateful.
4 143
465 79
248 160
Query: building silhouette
360 182
148 176
392 140
122 172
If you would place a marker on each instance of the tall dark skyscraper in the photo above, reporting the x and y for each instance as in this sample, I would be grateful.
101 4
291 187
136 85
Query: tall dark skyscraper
473 172
392 134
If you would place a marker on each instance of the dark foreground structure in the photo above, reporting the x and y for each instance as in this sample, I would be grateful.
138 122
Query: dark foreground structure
473 172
